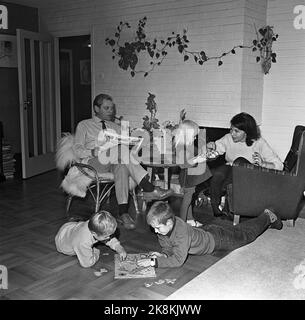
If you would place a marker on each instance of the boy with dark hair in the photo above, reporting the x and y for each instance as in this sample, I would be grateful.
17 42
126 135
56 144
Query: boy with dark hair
178 239
78 238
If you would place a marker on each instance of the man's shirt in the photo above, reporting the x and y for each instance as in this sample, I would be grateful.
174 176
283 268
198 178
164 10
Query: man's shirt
86 135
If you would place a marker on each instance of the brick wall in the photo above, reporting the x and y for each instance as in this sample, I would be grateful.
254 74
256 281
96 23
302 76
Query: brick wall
210 94
252 79
284 87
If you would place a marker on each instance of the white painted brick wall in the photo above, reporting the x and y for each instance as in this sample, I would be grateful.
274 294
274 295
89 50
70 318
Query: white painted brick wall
284 87
252 76
176 84
210 94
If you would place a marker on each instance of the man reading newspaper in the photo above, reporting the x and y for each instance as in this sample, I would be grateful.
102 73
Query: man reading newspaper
91 143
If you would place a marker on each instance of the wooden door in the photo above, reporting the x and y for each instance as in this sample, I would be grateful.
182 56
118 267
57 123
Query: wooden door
37 102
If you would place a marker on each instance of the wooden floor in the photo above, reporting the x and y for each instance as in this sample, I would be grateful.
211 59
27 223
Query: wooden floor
31 212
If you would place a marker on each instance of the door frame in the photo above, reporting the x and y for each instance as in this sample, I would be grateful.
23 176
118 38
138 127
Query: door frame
56 36
69 52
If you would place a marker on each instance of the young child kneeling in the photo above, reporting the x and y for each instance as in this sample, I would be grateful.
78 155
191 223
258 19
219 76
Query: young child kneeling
78 238
178 239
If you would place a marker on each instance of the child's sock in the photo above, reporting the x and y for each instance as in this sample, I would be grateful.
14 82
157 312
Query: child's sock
275 221
194 223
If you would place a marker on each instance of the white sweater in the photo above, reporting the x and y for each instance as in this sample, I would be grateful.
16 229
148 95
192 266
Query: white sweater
233 150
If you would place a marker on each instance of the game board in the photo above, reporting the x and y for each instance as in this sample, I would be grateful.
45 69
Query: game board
128 268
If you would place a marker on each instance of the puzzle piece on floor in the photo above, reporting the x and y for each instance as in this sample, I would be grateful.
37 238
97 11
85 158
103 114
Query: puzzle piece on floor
99 273
171 281
159 281
147 285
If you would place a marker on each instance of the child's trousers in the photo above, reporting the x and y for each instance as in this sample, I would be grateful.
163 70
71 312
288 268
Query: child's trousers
230 237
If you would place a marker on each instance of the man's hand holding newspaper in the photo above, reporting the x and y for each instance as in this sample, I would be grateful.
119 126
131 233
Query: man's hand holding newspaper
108 139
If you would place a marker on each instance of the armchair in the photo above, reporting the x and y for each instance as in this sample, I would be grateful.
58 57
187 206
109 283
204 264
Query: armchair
255 188
81 177
99 187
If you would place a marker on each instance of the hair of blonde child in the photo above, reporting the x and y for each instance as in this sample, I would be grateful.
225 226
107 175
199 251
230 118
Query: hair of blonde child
102 223
159 212
186 132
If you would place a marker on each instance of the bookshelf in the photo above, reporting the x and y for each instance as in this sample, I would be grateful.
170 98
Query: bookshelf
2 178
7 161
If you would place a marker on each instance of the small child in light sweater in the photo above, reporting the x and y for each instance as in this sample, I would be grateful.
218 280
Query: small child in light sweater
78 238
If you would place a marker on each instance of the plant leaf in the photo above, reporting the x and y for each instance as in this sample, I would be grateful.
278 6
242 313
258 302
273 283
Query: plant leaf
111 42
180 48
203 56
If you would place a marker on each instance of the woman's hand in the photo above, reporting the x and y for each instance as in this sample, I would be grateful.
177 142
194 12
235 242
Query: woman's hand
211 146
257 159
212 155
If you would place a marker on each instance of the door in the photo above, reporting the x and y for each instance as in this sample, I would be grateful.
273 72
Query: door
74 80
66 90
37 102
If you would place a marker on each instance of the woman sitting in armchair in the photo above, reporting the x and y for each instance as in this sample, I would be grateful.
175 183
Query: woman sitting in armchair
243 145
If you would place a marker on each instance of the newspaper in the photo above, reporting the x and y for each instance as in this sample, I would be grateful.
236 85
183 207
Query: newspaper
117 139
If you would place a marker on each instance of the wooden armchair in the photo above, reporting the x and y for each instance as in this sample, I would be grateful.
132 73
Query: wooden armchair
255 188
100 186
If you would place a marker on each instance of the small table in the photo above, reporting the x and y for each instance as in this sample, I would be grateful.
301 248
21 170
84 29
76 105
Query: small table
150 165
165 166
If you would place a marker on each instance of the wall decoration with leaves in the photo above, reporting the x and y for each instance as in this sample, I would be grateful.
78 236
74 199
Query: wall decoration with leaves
157 49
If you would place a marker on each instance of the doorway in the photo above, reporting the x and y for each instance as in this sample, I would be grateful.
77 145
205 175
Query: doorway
75 80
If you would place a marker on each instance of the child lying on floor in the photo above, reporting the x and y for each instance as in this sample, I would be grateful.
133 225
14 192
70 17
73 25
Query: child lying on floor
178 239
78 238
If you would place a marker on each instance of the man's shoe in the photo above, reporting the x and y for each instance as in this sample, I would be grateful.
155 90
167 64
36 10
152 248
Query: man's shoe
157 194
127 222
275 220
